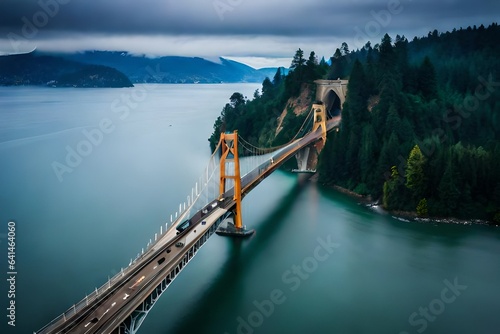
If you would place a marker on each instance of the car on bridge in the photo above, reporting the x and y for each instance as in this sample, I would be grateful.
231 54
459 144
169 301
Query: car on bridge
183 226
209 208
137 282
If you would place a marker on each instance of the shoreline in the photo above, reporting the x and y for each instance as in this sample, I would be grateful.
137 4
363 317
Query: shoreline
408 216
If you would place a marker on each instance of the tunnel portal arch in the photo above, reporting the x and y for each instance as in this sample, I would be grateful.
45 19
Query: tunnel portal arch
332 93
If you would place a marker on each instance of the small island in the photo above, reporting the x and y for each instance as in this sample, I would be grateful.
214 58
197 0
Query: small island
40 70
94 76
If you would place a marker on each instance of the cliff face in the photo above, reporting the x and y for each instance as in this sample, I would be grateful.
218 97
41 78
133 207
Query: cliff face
297 106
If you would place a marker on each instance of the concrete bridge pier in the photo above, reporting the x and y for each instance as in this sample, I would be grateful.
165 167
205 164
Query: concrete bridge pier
229 229
306 161
307 158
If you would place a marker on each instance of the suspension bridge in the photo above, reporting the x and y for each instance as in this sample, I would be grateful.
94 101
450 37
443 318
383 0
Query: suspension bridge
121 305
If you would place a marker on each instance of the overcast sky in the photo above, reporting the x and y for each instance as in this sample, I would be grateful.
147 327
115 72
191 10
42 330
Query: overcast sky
258 32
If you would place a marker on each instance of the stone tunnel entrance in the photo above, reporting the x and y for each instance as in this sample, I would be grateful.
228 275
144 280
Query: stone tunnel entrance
332 93
332 104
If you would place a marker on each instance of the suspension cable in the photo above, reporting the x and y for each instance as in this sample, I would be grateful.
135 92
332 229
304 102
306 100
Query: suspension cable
265 150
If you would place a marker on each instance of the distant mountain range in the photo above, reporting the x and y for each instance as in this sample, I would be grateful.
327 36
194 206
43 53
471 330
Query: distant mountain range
120 69
174 69
36 69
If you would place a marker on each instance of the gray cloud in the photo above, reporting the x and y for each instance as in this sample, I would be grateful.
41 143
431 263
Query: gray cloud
205 27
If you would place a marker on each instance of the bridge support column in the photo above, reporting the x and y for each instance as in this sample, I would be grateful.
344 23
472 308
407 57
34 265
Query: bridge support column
320 119
229 144
302 157
307 158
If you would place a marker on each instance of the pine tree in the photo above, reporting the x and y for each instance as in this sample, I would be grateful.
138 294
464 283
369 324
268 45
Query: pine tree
337 54
387 58
298 60
390 191
267 88
422 210
426 79
344 49
415 177
278 77
311 67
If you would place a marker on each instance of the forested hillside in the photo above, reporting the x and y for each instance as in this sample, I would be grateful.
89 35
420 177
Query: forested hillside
420 126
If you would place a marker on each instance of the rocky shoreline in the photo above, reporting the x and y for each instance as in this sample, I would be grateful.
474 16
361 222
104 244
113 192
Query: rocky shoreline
408 216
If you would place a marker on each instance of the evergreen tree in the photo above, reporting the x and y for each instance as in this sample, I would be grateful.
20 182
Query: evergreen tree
298 60
386 55
295 78
322 62
338 66
268 88
427 84
337 54
312 61
449 193
344 49
278 77
311 71
422 210
390 192
415 177
238 100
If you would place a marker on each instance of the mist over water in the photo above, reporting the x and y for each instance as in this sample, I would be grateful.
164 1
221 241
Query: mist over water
75 230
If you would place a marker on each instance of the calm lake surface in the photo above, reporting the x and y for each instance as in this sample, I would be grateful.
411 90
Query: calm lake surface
318 263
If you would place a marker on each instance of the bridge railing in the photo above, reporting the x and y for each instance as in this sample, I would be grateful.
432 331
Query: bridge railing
205 190
73 310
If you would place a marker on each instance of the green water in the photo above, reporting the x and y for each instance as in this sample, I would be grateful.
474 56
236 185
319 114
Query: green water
379 273
318 263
